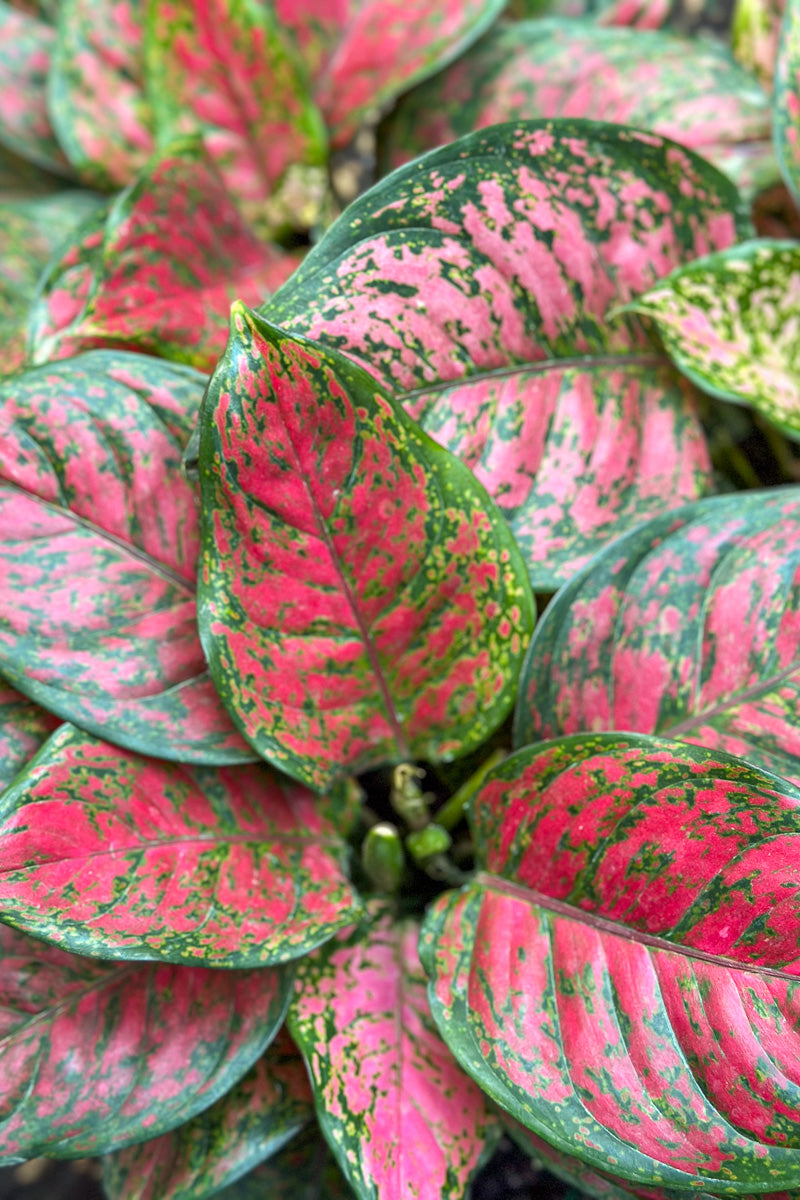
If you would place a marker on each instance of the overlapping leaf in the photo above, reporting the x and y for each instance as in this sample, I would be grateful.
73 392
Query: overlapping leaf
26 46
786 102
227 868
98 545
23 728
99 109
249 1124
690 91
731 322
173 253
361 600
686 627
97 1055
399 1114
622 973
304 1170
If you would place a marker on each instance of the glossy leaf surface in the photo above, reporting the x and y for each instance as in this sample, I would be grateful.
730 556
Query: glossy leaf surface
507 247
225 868
99 109
250 1123
690 91
97 1055
26 46
23 729
99 543
401 1117
730 322
786 100
622 973
686 627
174 254
573 455
360 599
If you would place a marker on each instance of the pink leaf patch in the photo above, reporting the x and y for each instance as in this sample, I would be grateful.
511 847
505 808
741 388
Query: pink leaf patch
26 48
23 729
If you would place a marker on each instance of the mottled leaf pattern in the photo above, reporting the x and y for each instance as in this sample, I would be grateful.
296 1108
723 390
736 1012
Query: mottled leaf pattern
175 253
731 322
692 92
360 601
507 247
99 109
251 1123
97 1055
64 293
304 1170
622 975
786 102
98 541
573 455
400 1116
686 627
26 46
227 867
23 728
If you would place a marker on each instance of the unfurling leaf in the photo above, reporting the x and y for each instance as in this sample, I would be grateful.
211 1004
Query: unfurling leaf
622 973
361 600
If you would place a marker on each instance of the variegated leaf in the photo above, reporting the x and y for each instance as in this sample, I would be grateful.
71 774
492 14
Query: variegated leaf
622 975
231 867
244 92
26 47
23 728
786 99
99 110
98 543
755 35
731 322
361 600
690 91
97 1055
686 627
250 1123
175 253
399 1114
304 1170
360 54
573 455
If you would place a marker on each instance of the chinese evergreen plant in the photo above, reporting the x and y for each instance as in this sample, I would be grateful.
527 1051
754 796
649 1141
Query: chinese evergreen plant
320 866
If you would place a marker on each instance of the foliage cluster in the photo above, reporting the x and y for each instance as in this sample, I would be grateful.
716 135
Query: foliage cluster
322 862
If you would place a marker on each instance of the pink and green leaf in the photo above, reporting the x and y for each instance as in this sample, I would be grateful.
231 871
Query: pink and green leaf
97 102
690 91
249 1124
786 99
621 974
233 867
99 545
361 600
401 1117
686 627
573 455
95 1056
64 292
23 729
26 48
730 323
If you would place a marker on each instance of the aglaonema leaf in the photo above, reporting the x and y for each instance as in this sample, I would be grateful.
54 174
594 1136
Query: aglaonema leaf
97 1055
98 549
399 1114
250 1123
786 99
173 254
23 729
730 323
690 91
304 1170
685 627
99 108
360 599
217 867
621 975
26 47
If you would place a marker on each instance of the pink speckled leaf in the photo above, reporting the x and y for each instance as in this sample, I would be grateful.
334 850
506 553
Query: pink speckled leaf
23 728
97 102
686 627
360 54
26 47
175 253
690 91
232 867
244 90
360 599
64 292
505 248
755 35
250 1123
401 1117
98 545
730 320
97 1055
573 455
621 975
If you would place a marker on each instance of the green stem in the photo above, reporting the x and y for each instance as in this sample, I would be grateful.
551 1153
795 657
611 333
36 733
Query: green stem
451 813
